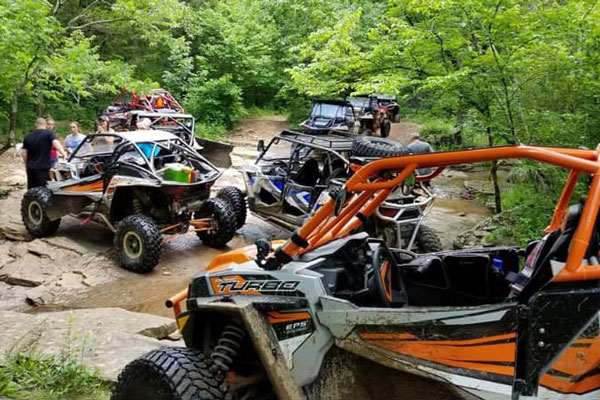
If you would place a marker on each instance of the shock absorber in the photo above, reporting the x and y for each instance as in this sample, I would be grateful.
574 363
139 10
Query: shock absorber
137 206
227 347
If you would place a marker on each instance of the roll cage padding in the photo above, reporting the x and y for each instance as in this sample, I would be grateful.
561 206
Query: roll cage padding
372 183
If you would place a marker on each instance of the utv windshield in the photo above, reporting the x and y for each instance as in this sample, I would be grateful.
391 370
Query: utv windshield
324 110
359 102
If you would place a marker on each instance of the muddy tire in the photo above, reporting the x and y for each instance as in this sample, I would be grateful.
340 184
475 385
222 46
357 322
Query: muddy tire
138 243
386 127
170 373
377 147
34 206
237 200
427 240
225 220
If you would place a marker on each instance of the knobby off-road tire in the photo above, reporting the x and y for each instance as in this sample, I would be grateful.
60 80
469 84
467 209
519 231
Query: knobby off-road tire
365 132
237 200
138 243
427 240
386 127
34 206
225 222
170 373
369 146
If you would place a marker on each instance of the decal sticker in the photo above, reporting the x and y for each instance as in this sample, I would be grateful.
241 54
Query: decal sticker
289 325
236 284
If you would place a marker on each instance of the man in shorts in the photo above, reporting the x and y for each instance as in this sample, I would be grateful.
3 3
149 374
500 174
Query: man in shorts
37 146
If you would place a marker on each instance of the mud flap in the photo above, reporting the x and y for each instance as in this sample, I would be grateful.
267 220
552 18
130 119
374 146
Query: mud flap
546 327
216 152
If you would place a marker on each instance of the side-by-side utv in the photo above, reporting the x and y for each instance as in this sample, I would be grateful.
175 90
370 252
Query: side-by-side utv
331 314
141 185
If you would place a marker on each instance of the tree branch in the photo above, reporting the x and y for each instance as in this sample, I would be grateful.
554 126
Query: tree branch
99 22
82 13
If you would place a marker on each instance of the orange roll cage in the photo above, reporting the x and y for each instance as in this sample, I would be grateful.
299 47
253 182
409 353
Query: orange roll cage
372 183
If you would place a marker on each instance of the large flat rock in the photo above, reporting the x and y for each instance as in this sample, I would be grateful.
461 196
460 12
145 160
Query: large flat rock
104 338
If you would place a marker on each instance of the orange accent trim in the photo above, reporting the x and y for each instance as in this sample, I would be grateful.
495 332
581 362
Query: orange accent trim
95 186
387 283
175 302
480 355
454 353
277 317
388 336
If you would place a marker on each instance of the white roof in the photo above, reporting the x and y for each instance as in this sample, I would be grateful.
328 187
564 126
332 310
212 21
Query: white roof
150 135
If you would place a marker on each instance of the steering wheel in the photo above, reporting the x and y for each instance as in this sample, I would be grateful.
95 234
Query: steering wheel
280 168
383 265
93 166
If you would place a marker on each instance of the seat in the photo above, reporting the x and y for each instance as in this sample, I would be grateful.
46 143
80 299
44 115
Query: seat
424 281
554 246
468 273
308 174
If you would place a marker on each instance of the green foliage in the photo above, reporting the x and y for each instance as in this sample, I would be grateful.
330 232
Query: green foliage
27 374
210 130
216 101
26 377
527 212
529 202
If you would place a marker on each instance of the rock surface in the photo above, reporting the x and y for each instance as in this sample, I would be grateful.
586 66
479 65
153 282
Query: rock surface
103 338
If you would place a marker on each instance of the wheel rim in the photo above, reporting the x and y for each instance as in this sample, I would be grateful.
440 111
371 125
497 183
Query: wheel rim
35 213
132 245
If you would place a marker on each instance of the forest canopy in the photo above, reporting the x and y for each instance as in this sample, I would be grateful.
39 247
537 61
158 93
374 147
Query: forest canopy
503 71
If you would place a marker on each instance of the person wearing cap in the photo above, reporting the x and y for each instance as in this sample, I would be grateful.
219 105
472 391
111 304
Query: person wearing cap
103 127
37 146
417 146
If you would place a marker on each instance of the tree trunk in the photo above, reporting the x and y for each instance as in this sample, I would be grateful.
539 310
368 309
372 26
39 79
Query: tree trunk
494 176
14 109
457 138
40 105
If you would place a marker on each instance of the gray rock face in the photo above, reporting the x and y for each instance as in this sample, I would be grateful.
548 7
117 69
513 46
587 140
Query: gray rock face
103 338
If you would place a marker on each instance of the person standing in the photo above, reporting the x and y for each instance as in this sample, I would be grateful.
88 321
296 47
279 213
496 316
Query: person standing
103 126
53 153
74 138
417 146
36 153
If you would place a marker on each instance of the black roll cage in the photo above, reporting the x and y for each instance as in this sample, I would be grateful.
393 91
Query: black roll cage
149 169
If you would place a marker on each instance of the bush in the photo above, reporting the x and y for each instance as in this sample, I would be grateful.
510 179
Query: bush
27 374
210 131
29 377
439 132
215 102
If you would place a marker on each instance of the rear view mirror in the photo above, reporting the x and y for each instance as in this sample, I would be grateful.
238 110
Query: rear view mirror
260 146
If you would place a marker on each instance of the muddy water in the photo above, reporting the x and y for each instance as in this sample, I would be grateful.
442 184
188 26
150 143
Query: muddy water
183 257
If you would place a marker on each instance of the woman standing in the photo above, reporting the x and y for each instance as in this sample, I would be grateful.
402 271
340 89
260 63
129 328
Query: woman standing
74 138
103 127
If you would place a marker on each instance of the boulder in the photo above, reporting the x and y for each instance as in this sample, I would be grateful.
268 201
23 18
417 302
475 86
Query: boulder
12 297
25 271
39 296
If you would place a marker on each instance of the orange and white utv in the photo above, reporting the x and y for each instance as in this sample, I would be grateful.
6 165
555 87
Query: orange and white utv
330 314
